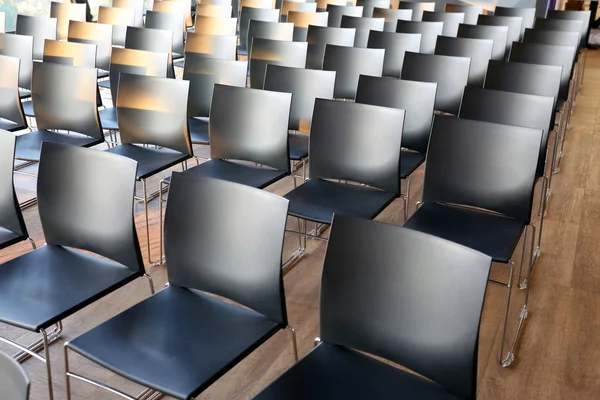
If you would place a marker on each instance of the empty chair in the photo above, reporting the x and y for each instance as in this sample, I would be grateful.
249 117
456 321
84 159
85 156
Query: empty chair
551 37
175 7
170 22
561 25
217 2
583 16
38 27
215 26
21 47
337 12
369 6
70 53
187 15
349 63
214 11
451 21
429 32
120 19
391 17
450 73
257 3
14 382
281 31
99 35
527 14
395 45
137 6
302 20
417 8
499 34
214 46
514 25
418 100
12 117
363 27
254 14
471 11
319 37
322 4
266 52
65 12
154 40
478 50
296 6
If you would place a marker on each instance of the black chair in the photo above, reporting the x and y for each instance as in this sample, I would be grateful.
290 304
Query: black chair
282 31
499 34
14 382
337 12
478 194
363 27
478 50
253 14
302 20
514 25
417 8
561 25
450 73
63 274
212 46
373 301
318 37
391 17
12 118
429 32
571 15
21 47
120 19
40 28
274 52
551 37
349 63
418 100
99 35
527 15
170 22
153 40
395 45
369 5
451 21
201 337
471 12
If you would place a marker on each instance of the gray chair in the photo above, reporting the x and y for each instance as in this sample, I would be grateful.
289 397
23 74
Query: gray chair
478 50
514 25
417 8
369 6
179 7
12 117
215 26
499 34
570 15
212 46
429 32
337 12
40 28
248 14
471 11
560 25
153 40
395 45
350 63
137 6
99 35
451 21
318 37
213 10
21 47
302 20
551 37
295 6
363 27
527 14
14 382
266 52
65 12
170 22
120 19
281 31
391 17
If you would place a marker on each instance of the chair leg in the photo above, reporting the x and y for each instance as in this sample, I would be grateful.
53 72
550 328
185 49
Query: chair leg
150 283
559 135
48 365
145 200
32 243
162 186
67 373
537 251
406 198
294 342
506 361
36 346
298 254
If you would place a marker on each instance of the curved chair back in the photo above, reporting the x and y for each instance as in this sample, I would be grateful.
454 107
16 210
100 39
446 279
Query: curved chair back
391 17
322 4
69 53
349 63
14 383
429 32
554 38
302 20
417 8
279 31
305 85
138 9
363 27
175 7
120 19
38 27
187 14
499 34
451 21
10 212
258 132
337 12
269 4
11 108
215 26
514 25
65 12
527 15
203 73
417 99
99 35
450 73
154 40
403 266
583 16
274 52
244 265
395 45
478 50
21 47
562 25
215 11
339 133
473 163
471 12
169 22
213 46
255 14
217 2
369 6
296 6
73 178
318 37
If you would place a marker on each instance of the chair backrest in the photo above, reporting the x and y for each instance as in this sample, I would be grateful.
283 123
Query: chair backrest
451 21
255 14
513 23
527 15
281 31
65 12
274 52
478 50
388 304
288 6
369 6
449 72
511 108
258 3
243 265
305 85
340 131
218 2
322 4
417 99
499 34
256 132
562 25
203 73
483 165
38 27
21 47
187 15
349 63
169 22
64 98
14 382
302 20
120 19
395 45
363 27
391 17
71 181
471 12
11 108
175 7
138 9
555 38
213 46
70 53
429 32
154 40
417 8
2 22
215 26
99 35
318 37
10 212
583 16
215 11
336 12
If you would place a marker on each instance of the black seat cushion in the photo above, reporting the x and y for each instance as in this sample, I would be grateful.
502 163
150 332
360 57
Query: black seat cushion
104 84
199 130
178 63
298 146
46 285
9 126
108 119
409 162
491 234
29 145
24 93
150 160
28 108
317 200
8 238
103 74
242 50
332 372
177 341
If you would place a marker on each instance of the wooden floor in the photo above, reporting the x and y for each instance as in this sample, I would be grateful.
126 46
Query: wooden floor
559 353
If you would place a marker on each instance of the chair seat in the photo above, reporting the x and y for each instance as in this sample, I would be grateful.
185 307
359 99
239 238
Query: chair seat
298 146
242 50
409 162
8 238
24 93
178 63
177 341
104 84
46 285
10 126
150 160
108 119
28 108
317 200
494 235
29 145
103 74
199 130
333 372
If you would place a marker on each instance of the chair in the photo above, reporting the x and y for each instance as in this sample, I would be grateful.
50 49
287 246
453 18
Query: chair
21 47
187 15
349 63
372 301
478 194
583 16
369 6
363 27
63 274
391 17
471 11
555 38
417 8
2 22
451 21
217 2
305 85
175 7
395 45
138 10
213 334
418 100
213 46
499 34
302 20
258 3
561 25
478 50
169 22
514 25
527 15
99 35
215 26
14 382
215 11
295 6
449 72
266 52
429 32
120 19
38 27
337 12
65 12
322 4
319 37
12 118
253 14
153 40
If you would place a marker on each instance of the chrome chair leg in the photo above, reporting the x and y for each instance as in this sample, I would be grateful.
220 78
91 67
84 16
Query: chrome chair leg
32 242
294 342
162 188
145 201
301 251
48 365
405 198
